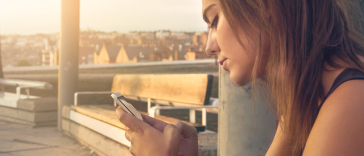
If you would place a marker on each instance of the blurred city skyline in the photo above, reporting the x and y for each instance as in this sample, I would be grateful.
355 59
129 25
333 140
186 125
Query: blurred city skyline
26 17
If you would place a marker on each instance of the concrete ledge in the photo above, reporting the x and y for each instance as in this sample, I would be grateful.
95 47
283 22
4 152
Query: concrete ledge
110 131
28 116
33 124
32 110
66 110
102 145
39 104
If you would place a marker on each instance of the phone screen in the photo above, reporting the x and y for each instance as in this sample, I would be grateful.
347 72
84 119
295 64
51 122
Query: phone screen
123 101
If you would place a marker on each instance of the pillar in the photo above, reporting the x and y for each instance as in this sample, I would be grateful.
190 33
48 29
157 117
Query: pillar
69 49
241 131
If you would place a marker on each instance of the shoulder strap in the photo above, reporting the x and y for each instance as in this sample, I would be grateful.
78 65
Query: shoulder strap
347 75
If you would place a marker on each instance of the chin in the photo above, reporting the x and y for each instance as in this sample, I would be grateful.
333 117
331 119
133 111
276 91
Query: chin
240 78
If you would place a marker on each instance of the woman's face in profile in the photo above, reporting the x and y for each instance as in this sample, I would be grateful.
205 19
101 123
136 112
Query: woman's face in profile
234 58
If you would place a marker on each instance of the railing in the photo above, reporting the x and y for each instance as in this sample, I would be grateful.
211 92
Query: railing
111 65
154 111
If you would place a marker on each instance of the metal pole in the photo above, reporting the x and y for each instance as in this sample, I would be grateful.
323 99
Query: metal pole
239 133
69 49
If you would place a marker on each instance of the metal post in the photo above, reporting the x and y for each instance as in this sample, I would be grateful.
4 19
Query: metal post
69 47
239 132
149 104
192 116
157 111
204 117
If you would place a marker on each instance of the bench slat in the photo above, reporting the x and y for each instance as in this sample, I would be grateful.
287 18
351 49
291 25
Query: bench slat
185 88
106 113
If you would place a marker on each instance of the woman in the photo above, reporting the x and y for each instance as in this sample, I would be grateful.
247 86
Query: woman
304 52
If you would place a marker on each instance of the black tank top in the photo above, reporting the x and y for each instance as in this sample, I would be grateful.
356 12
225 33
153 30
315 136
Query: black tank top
347 75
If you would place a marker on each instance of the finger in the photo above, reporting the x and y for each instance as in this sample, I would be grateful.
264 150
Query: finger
174 136
180 154
157 124
130 121
172 130
187 131
128 134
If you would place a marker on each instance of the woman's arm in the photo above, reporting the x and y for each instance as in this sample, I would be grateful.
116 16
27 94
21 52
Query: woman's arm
279 146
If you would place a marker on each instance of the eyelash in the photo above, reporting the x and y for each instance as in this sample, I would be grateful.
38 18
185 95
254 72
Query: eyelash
214 22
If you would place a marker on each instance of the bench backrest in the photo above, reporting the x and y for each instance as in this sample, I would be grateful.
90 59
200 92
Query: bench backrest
33 84
184 88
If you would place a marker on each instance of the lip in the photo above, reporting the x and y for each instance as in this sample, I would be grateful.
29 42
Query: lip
224 66
222 62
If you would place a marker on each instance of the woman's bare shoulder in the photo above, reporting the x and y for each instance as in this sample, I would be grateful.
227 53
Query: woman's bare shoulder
339 127
348 95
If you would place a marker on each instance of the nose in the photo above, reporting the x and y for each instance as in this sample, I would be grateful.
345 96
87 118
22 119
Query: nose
212 48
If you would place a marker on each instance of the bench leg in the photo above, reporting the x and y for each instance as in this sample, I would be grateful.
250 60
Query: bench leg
157 112
192 116
204 116
149 104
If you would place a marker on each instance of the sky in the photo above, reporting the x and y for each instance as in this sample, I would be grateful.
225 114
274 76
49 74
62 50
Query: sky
27 17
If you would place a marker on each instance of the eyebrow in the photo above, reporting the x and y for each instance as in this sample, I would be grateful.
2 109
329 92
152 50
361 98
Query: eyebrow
205 12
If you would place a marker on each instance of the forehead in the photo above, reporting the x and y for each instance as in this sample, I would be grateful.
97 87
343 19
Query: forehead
207 3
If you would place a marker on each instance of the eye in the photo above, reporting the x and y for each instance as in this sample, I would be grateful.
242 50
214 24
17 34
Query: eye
214 22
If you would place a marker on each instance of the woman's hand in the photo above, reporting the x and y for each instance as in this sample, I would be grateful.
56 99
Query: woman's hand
189 140
158 138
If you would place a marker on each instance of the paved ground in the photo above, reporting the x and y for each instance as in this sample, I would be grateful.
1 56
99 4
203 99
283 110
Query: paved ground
21 140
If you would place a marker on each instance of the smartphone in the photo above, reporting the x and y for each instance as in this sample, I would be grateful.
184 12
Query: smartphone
126 106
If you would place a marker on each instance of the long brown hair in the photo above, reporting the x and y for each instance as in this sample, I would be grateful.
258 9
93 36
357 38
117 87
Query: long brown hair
302 35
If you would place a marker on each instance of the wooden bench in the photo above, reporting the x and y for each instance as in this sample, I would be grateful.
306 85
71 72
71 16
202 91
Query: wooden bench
164 90
99 121
27 109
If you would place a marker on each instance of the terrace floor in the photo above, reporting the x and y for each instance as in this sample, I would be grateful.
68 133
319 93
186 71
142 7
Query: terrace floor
22 140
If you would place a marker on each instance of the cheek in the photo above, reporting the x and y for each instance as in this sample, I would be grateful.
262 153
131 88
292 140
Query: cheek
225 37
240 61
